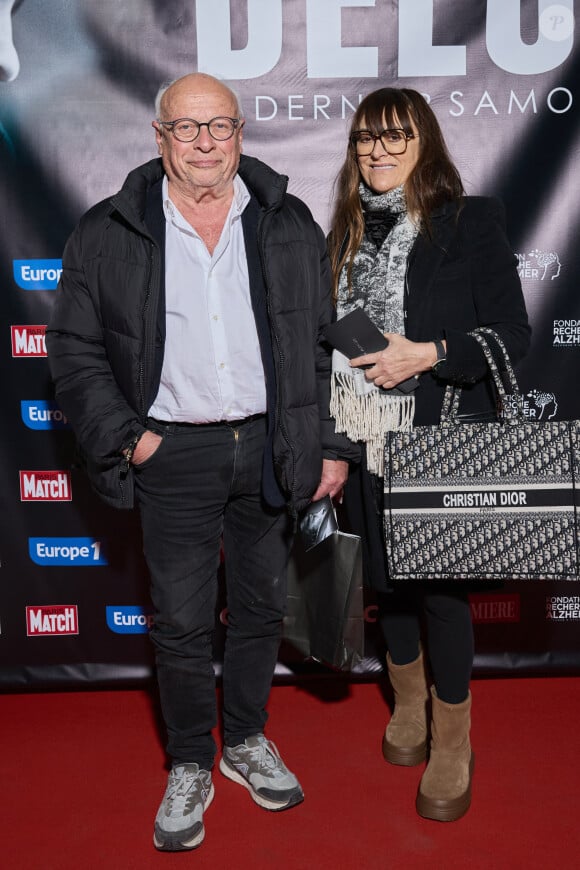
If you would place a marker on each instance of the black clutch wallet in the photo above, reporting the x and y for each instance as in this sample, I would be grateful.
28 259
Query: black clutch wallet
355 334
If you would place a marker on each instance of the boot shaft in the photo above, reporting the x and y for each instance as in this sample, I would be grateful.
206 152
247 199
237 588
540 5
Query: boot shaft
409 682
450 724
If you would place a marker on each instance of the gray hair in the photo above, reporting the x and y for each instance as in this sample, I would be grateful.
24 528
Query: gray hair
166 85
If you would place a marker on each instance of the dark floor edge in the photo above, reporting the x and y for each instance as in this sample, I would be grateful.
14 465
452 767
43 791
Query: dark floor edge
109 675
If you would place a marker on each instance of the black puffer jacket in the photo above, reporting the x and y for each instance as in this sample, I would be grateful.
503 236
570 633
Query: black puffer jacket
106 334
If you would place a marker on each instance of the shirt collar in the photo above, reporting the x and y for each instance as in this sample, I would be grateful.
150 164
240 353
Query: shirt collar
239 202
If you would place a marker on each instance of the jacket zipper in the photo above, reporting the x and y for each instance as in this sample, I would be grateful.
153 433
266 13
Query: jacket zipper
278 415
148 340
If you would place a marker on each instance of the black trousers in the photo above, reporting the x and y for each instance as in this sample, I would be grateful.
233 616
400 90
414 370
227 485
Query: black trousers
448 635
202 486
437 613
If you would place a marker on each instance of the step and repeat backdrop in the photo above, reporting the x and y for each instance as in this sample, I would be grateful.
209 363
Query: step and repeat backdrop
78 80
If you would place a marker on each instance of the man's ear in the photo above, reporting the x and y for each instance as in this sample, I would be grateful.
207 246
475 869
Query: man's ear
158 136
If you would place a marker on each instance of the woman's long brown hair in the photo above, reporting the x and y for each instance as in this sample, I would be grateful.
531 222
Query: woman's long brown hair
434 179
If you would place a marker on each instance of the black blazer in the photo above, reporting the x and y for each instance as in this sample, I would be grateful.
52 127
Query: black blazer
463 277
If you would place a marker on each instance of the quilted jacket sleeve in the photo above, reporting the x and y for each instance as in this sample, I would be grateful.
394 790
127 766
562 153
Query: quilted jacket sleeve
86 389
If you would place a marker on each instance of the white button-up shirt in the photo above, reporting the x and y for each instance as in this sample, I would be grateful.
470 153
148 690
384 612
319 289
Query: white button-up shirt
212 367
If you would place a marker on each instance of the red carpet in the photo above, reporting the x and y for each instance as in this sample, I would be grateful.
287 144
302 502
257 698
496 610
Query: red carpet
82 775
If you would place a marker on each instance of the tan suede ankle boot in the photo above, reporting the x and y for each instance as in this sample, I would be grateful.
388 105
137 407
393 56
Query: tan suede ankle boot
405 740
445 788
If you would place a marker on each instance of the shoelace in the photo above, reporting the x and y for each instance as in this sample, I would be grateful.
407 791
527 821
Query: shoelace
266 755
182 790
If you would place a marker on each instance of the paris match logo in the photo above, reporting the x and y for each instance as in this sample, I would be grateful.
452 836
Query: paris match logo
28 341
45 486
52 619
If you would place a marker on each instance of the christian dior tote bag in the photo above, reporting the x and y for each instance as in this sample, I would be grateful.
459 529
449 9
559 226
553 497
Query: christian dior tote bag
492 500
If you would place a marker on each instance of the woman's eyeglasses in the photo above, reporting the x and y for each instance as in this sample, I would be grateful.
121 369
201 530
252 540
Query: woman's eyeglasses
394 141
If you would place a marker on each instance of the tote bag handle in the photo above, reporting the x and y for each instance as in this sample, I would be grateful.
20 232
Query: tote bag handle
512 411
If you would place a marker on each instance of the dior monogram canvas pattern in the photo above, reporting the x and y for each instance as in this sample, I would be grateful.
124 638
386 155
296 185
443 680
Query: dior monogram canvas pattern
485 500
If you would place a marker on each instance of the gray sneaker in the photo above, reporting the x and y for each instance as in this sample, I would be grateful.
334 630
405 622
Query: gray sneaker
179 820
256 764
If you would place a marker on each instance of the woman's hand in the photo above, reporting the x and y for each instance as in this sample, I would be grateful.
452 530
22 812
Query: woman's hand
402 359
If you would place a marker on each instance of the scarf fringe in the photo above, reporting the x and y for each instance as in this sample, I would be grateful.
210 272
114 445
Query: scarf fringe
367 418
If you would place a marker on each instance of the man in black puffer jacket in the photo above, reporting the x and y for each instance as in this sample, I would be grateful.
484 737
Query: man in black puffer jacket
185 348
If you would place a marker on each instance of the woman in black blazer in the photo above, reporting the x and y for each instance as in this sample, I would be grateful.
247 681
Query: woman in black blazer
428 265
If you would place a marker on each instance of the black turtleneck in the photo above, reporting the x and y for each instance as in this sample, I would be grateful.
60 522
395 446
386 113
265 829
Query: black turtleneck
378 225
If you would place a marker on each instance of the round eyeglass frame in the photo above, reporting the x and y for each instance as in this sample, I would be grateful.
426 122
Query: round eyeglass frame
236 123
374 137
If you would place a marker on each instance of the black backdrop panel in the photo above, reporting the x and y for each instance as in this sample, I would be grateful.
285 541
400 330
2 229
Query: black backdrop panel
77 85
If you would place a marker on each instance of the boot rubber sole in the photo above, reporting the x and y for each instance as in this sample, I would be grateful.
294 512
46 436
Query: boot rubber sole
406 756
445 810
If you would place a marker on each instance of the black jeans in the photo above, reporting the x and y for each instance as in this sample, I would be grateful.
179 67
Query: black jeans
201 485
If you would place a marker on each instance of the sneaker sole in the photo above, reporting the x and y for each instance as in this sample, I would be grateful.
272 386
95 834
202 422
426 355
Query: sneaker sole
265 803
172 842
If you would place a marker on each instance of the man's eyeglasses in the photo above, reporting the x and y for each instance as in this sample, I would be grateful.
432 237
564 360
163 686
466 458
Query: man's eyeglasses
187 130
393 141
